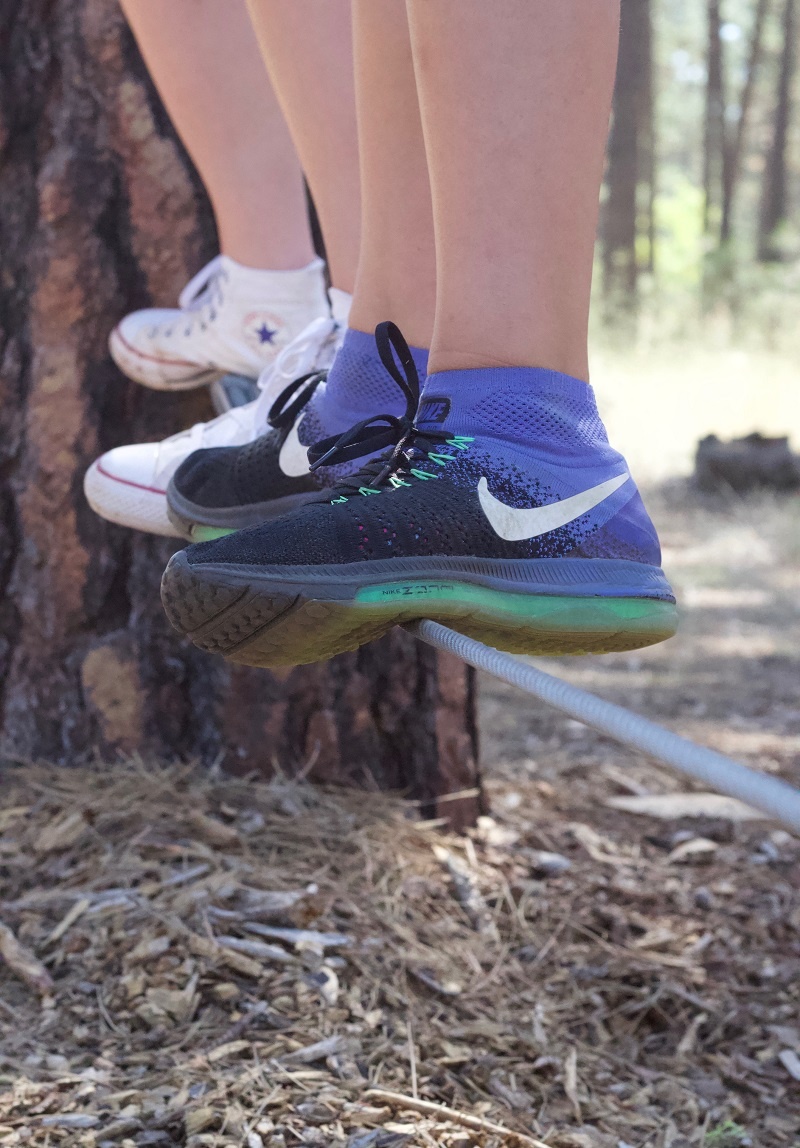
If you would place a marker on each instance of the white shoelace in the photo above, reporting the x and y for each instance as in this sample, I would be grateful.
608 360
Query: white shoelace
313 349
201 295
202 285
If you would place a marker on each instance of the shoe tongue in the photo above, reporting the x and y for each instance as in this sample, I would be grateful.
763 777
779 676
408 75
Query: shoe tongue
433 413
195 291
340 302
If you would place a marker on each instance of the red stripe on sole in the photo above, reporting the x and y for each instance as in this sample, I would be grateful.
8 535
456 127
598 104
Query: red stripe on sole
127 481
155 359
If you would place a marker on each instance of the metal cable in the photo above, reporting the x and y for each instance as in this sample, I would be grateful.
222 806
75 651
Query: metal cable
773 797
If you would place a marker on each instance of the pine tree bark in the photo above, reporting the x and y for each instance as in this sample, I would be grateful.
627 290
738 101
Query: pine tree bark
775 193
735 144
647 133
630 163
100 213
714 152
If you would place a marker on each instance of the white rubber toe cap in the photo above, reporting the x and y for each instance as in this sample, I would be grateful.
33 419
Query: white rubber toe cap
122 486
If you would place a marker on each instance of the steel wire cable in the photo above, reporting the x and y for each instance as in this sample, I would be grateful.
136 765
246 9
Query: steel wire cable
776 798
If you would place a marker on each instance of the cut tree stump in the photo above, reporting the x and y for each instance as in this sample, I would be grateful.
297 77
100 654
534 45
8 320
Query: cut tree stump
101 213
754 462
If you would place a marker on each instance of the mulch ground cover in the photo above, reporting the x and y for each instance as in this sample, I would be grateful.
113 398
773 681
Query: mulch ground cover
212 962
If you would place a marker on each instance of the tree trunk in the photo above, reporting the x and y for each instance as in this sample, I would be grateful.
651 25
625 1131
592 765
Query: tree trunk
714 151
647 131
630 159
733 163
775 199
101 213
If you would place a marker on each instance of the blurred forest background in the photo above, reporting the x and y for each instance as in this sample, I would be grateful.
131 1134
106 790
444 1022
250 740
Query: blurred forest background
700 233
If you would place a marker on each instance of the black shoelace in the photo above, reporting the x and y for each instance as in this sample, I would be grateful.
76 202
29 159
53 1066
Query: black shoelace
406 442
283 413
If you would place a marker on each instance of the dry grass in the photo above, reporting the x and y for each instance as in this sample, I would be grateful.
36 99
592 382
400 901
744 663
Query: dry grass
658 401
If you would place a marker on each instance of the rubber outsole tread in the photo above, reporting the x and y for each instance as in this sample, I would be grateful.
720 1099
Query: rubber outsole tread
216 618
251 625
191 603
241 624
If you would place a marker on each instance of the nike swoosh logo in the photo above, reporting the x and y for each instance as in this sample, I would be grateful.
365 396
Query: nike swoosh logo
516 525
293 457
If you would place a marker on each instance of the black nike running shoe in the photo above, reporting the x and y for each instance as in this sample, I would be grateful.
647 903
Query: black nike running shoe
504 514
221 489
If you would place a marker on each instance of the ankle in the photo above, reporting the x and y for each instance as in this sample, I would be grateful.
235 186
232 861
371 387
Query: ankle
443 360
258 257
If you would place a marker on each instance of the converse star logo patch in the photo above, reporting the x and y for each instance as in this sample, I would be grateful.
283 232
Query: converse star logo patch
264 331
514 524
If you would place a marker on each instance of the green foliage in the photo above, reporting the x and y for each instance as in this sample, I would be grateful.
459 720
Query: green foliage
702 288
762 299
727 1135
679 233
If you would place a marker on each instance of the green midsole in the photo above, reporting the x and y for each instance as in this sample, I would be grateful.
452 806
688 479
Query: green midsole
560 612
210 533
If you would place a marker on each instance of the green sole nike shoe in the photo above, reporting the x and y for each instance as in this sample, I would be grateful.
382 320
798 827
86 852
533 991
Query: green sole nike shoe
279 616
530 543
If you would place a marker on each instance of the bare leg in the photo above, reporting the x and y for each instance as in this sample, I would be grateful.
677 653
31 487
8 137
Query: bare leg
307 45
504 512
397 271
515 98
205 62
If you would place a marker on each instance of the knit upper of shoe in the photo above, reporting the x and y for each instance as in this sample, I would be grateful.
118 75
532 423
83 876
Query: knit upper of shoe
438 516
239 476
244 475
358 385
488 449
251 473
